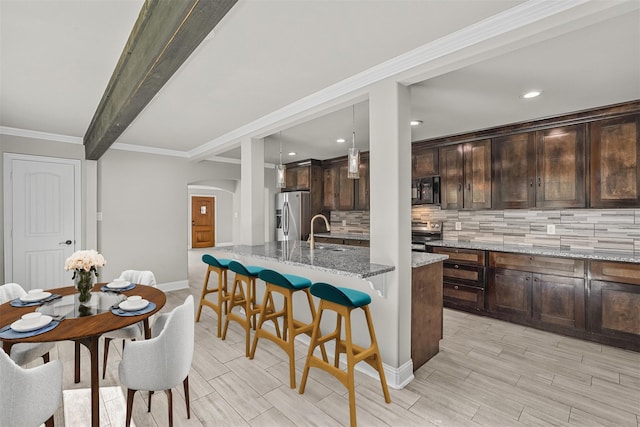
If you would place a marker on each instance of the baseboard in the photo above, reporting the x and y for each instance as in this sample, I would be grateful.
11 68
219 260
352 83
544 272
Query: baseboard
173 286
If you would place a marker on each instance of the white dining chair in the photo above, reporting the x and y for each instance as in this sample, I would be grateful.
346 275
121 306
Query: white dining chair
162 362
29 397
132 332
23 353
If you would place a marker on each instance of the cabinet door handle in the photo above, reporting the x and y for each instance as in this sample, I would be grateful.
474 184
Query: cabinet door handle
539 182
531 183
469 186
456 266
456 287
459 187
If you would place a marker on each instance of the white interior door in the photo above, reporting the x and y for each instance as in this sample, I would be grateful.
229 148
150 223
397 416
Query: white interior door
42 219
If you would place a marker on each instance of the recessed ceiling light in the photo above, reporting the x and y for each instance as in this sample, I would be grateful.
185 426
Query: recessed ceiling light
292 153
531 94
340 140
416 122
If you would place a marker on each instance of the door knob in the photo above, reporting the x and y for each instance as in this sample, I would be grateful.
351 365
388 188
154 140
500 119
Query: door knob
66 242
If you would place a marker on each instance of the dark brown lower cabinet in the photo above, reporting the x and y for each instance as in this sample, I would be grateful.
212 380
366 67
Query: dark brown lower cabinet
614 302
558 301
509 293
547 301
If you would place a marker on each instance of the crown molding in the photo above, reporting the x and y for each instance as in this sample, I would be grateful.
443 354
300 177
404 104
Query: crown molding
34 134
150 150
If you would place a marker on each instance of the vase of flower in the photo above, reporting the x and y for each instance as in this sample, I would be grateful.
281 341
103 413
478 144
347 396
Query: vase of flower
84 265
84 280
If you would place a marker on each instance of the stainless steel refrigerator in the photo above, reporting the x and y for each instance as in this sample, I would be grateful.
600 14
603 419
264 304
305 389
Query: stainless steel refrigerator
293 215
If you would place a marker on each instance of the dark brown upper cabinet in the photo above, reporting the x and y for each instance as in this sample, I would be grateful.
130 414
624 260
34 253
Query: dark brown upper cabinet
451 177
330 175
424 162
513 171
477 174
615 162
560 171
465 175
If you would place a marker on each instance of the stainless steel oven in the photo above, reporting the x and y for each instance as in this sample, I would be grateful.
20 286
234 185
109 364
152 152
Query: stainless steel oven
424 232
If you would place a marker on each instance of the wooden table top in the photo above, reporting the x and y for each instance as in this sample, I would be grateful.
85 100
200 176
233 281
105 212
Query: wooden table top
87 326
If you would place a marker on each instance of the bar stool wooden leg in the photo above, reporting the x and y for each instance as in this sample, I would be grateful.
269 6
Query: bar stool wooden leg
220 307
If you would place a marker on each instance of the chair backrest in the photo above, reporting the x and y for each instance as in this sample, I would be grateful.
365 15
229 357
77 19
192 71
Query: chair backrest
10 291
28 397
143 277
162 362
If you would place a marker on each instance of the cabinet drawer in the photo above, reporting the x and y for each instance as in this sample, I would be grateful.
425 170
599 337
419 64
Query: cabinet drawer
469 275
465 256
616 272
537 264
461 295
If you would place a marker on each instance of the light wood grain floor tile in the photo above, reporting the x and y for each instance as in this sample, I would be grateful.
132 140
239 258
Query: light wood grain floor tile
212 410
272 418
240 396
298 409
568 396
525 397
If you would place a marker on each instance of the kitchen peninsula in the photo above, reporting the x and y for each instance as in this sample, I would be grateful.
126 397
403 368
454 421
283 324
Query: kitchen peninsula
350 266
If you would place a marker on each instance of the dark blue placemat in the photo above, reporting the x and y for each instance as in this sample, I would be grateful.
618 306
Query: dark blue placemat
10 334
147 309
128 288
19 303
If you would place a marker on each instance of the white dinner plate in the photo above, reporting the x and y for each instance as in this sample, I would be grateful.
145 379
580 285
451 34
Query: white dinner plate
118 284
22 326
35 297
127 305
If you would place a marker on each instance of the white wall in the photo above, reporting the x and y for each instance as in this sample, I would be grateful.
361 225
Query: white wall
144 203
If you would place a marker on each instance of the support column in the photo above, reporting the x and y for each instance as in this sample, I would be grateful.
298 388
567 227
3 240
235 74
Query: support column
252 191
390 208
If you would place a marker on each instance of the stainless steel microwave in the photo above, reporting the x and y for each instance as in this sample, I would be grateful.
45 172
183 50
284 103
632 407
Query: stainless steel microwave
425 191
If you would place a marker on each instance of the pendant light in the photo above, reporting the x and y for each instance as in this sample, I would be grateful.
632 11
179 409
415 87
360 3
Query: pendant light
281 169
353 157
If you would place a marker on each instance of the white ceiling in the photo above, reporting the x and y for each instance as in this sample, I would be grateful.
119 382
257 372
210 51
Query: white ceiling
268 57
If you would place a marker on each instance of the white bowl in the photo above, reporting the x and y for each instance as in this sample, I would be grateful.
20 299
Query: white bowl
133 298
118 284
33 297
128 305
35 291
31 318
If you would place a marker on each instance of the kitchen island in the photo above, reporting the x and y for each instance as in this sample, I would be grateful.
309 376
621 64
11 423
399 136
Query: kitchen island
350 267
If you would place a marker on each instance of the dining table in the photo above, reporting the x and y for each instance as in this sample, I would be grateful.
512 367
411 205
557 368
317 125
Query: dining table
85 323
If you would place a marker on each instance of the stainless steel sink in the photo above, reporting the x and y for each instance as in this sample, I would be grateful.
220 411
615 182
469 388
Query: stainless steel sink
325 248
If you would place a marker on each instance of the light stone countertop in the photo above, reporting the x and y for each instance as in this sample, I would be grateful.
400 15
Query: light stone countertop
342 260
600 255
420 259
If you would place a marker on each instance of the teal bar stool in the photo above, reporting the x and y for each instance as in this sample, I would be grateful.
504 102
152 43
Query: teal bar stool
343 301
243 294
220 266
285 285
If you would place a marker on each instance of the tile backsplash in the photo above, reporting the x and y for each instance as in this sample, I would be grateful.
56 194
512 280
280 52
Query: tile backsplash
579 229
354 222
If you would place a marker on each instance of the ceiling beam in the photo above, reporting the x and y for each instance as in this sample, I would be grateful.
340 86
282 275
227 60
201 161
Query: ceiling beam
164 35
